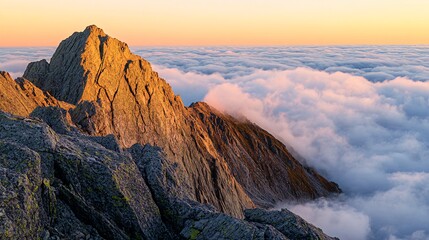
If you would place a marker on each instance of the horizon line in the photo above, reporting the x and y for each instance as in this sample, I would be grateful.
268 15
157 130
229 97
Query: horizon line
241 45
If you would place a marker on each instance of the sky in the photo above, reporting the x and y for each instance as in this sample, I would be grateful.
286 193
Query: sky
220 22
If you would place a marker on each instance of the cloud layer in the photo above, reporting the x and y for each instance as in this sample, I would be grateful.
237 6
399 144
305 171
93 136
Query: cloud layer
357 114
371 138
375 63
15 60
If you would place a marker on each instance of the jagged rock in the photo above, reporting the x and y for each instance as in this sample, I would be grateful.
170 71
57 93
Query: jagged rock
116 92
167 183
220 226
187 218
35 134
60 121
37 70
291 225
67 186
108 189
66 224
57 118
92 118
192 220
103 189
108 141
21 97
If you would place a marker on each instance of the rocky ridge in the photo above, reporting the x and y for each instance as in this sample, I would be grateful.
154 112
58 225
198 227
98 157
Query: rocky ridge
69 186
93 178
21 97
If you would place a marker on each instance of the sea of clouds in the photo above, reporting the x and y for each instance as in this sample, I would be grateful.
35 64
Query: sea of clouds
358 114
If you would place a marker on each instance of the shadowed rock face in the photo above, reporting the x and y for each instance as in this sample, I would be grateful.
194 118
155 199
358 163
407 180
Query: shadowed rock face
192 220
259 162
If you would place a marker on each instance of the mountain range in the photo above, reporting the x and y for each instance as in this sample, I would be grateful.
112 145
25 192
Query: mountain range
95 145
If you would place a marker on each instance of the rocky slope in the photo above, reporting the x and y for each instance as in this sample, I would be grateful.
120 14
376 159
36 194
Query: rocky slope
259 162
74 186
83 171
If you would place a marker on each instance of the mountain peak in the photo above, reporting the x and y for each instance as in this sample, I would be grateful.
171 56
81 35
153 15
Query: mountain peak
77 68
201 155
94 29
229 163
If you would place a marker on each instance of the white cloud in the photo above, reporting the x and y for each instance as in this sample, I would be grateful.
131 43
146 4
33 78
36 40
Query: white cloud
376 63
15 60
371 138
335 218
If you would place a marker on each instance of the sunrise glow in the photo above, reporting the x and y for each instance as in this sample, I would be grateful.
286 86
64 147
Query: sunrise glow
222 22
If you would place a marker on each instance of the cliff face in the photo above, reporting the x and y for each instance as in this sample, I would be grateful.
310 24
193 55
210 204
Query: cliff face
259 162
227 163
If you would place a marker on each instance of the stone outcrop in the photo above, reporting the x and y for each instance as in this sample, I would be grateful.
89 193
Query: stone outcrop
289 224
192 220
51 177
229 164
21 97
68 186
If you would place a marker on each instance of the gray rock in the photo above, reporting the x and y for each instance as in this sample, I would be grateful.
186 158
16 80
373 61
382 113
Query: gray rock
221 226
20 178
35 134
108 141
102 188
55 117
291 225
192 220
37 70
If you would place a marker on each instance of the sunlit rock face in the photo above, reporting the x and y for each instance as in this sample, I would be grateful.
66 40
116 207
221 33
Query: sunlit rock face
21 97
97 100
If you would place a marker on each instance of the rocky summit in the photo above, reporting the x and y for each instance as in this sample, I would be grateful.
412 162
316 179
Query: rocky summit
95 145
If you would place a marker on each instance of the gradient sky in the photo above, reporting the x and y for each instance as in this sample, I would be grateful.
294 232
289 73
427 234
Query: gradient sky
218 22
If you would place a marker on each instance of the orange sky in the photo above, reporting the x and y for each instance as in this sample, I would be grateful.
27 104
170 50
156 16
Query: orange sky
220 22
